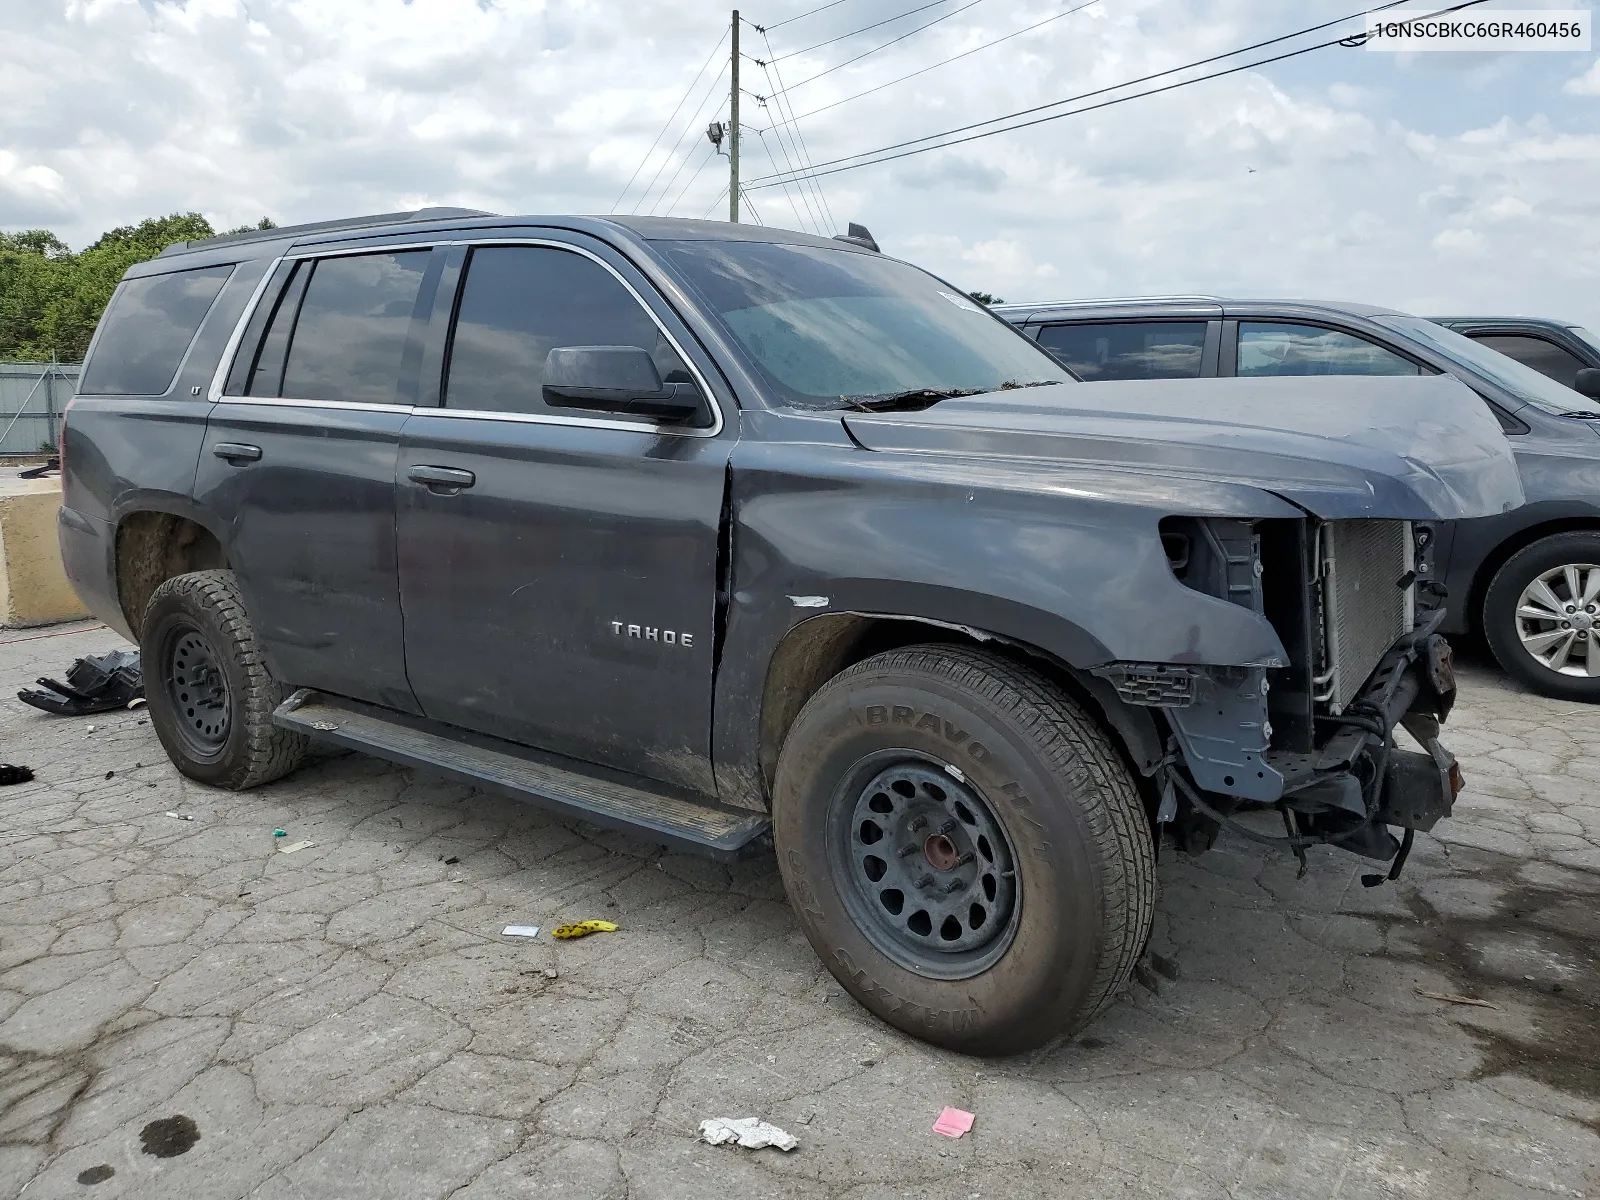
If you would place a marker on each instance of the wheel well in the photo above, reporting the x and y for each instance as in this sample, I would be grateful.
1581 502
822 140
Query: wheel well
816 650
1501 554
152 547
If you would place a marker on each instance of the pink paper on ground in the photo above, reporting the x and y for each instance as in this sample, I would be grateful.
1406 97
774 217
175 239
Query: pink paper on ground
953 1122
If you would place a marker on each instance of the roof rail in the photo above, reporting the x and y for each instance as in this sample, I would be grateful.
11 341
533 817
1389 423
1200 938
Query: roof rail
1099 300
265 235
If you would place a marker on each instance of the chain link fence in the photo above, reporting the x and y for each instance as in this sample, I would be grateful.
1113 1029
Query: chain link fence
32 398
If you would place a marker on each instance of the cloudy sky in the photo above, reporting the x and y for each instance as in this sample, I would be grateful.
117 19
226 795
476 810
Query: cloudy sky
1430 182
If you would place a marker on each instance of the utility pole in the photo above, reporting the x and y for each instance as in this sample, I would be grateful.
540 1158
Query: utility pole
733 130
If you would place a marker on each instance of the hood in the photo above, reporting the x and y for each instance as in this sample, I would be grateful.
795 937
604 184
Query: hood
1408 448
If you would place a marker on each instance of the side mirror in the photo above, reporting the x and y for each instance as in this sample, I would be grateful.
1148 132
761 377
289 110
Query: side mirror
615 379
1588 382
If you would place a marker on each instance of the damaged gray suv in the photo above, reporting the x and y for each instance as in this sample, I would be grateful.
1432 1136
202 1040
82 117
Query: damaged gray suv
716 534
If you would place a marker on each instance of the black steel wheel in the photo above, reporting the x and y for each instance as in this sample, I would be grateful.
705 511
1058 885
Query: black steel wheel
964 848
206 681
934 881
197 689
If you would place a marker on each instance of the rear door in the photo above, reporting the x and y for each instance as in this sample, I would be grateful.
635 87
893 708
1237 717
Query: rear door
558 569
299 464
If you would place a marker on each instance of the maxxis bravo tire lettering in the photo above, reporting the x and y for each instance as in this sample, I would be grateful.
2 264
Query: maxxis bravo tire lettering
1500 613
255 751
1084 851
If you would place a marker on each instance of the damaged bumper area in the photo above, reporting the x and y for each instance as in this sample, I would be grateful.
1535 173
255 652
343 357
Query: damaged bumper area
1342 735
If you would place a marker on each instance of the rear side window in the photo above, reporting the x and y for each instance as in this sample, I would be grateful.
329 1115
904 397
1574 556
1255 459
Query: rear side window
345 336
1547 358
1129 350
1273 348
147 330
521 302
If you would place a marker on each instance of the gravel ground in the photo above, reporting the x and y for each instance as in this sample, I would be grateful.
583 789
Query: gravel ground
185 1012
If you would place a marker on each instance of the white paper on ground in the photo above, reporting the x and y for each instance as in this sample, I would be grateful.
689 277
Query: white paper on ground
520 931
296 847
750 1132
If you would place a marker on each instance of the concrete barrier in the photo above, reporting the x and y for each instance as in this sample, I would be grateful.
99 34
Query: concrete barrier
33 586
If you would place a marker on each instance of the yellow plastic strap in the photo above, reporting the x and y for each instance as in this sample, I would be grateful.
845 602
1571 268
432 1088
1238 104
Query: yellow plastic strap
583 929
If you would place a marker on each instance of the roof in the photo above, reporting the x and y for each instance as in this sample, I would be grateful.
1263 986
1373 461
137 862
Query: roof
644 228
1191 306
1547 322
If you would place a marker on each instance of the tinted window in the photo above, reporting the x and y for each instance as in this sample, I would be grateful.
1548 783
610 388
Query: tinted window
351 333
1547 358
1129 350
821 324
1270 348
149 326
1468 357
266 375
521 302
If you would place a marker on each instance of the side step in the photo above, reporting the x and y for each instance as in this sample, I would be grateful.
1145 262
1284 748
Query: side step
511 770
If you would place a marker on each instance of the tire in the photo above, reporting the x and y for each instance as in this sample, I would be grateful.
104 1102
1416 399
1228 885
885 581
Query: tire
978 746
1512 598
207 685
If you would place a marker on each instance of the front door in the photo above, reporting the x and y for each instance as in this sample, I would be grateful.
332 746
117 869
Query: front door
299 461
558 569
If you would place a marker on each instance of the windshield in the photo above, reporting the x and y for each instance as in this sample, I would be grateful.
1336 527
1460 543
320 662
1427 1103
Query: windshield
1588 338
826 327
1521 381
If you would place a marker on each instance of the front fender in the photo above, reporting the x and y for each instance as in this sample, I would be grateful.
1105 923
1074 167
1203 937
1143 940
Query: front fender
1066 560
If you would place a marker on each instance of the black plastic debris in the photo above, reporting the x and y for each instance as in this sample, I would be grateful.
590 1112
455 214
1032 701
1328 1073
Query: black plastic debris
93 685
50 466
10 774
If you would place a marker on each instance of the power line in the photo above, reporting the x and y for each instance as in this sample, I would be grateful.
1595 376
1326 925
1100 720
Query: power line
795 207
796 176
873 155
801 16
783 99
892 41
704 162
688 131
946 61
746 197
684 162
853 32
687 92
712 206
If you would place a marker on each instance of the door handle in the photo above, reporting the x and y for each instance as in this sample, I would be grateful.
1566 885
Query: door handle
236 452
442 481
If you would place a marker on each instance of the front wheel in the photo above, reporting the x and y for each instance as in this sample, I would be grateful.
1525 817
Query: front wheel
206 681
964 848
1541 616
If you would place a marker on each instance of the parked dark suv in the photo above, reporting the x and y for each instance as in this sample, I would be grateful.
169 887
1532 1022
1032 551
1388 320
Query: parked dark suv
713 532
1529 579
1554 348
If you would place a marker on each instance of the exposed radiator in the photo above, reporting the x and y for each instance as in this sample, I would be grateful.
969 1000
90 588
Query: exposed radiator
1364 612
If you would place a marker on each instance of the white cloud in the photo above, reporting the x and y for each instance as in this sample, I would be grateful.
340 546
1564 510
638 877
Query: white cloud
1459 241
1587 84
1323 176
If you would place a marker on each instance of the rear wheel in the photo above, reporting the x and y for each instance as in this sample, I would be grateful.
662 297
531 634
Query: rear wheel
208 688
1541 616
964 848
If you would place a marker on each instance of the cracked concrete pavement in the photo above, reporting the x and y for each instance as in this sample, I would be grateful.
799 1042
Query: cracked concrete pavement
346 1021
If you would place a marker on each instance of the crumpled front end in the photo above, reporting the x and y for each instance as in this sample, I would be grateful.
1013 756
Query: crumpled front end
1342 737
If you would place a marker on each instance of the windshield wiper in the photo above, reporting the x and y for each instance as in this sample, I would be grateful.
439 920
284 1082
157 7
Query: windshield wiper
914 400
917 399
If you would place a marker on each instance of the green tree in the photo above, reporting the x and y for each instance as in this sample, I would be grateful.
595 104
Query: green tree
986 299
51 298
